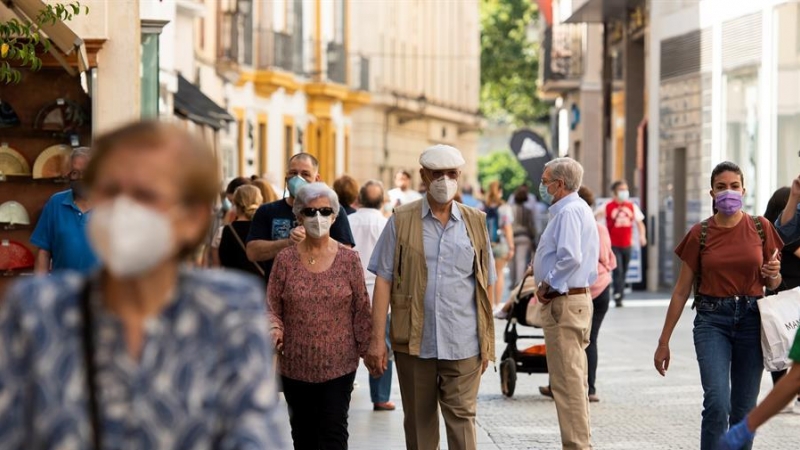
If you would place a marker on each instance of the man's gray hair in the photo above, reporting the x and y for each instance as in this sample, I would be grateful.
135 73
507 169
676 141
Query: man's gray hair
77 152
365 200
567 170
311 192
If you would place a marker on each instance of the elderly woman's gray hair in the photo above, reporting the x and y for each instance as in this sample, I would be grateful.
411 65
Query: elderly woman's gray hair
567 170
311 192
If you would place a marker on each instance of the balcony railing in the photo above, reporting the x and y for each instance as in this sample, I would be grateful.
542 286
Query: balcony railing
562 54
279 50
337 62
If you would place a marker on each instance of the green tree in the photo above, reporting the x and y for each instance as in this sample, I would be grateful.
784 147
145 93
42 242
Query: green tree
509 62
503 166
19 40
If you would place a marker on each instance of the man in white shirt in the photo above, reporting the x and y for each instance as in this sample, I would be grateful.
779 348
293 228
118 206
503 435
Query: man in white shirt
367 224
402 193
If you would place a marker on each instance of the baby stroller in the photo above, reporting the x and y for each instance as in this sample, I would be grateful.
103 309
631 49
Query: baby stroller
532 359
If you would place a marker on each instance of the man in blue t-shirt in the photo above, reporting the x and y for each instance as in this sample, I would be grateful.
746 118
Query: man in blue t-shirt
60 233
274 226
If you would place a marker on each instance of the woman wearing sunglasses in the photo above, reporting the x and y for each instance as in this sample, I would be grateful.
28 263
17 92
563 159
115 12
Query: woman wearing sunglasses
321 323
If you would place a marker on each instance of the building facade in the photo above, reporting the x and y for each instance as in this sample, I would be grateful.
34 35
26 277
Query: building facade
424 82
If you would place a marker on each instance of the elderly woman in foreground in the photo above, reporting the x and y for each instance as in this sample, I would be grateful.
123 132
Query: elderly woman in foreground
144 353
321 319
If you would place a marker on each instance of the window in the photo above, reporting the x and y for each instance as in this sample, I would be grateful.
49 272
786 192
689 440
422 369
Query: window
150 90
740 100
288 140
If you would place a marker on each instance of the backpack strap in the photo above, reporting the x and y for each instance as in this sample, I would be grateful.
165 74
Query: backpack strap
760 229
703 238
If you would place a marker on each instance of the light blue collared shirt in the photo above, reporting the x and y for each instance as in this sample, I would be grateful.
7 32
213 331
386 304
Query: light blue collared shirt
449 330
789 232
569 248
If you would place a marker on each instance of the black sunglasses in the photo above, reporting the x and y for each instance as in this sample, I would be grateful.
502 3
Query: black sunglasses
311 212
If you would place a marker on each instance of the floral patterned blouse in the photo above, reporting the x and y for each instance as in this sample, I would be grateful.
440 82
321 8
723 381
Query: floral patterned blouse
205 379
325 317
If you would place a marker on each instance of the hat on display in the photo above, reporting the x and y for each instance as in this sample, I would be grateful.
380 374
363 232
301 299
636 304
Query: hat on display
62 115
52 162
14 213
8 117
441 157
12 162
15 256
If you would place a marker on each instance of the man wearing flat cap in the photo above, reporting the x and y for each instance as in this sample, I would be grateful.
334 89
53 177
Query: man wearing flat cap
435 268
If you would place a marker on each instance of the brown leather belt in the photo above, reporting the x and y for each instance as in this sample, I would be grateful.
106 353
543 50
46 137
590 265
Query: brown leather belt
573 291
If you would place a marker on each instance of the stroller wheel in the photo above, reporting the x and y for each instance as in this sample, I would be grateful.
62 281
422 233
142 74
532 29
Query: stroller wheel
508 376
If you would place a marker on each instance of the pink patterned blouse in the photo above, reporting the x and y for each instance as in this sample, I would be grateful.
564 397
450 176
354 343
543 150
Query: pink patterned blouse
325 317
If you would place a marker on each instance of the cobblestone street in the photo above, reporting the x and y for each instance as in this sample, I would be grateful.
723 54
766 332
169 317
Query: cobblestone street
638 408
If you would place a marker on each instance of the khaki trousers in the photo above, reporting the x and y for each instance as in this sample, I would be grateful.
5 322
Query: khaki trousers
426 385
567 323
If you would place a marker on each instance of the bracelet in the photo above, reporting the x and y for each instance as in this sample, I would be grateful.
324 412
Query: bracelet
775 277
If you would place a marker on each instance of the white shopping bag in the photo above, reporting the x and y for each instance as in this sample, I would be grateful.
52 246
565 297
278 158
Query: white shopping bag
780 315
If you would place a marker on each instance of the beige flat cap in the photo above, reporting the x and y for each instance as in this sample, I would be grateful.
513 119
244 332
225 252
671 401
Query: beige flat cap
441 157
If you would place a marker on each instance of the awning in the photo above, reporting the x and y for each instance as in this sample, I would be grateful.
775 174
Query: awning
190 102
64 41
598 11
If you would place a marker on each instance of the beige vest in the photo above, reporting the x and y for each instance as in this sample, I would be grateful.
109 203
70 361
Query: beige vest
410 279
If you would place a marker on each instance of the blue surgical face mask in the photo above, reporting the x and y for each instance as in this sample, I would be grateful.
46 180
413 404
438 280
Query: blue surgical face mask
294 184
546 197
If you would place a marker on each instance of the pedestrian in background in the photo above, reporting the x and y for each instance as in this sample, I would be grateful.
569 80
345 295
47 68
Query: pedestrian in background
730 258
468 198
367 224
565 265
788 224
267 192
232 250
347 189
790 259
499 220
621 216
275 226
524 230
321 324
228 215
402 193
60 233
76 349
434 266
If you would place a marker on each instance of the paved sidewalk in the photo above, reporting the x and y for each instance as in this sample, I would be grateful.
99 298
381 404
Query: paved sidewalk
639 409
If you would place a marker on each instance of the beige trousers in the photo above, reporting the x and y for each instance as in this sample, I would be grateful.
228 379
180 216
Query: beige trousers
567 322
428 384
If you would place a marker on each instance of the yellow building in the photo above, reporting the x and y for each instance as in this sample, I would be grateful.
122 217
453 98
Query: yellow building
290 85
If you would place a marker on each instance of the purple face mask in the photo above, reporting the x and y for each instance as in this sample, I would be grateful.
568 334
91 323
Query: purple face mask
728 202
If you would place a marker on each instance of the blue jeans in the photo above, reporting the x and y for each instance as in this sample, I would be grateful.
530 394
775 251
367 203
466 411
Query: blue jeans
727 339
381 388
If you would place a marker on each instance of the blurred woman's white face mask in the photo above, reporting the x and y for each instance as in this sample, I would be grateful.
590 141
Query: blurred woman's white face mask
130 238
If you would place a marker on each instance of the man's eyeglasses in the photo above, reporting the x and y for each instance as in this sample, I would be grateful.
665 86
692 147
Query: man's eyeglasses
311 212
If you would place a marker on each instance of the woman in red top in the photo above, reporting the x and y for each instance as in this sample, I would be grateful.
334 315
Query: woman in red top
322 322
735 257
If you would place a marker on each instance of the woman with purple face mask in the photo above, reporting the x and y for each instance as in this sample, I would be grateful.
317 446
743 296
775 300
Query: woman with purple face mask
729 258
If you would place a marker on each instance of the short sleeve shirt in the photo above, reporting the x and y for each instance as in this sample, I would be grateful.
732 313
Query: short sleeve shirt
794 353
61 231
274 221
620 219
732 257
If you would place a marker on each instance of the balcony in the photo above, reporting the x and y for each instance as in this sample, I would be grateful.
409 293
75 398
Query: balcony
562 59
279 50
337 62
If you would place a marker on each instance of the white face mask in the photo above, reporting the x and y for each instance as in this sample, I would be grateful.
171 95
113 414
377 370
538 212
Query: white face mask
443 190
318 226
130 238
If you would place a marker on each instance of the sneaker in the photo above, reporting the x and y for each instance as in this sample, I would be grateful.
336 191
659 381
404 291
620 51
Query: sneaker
500 313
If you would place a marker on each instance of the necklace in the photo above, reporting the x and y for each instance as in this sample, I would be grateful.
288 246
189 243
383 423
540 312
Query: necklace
311 260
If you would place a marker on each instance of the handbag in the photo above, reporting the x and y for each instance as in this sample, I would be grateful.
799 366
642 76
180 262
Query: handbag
780 315
244 249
